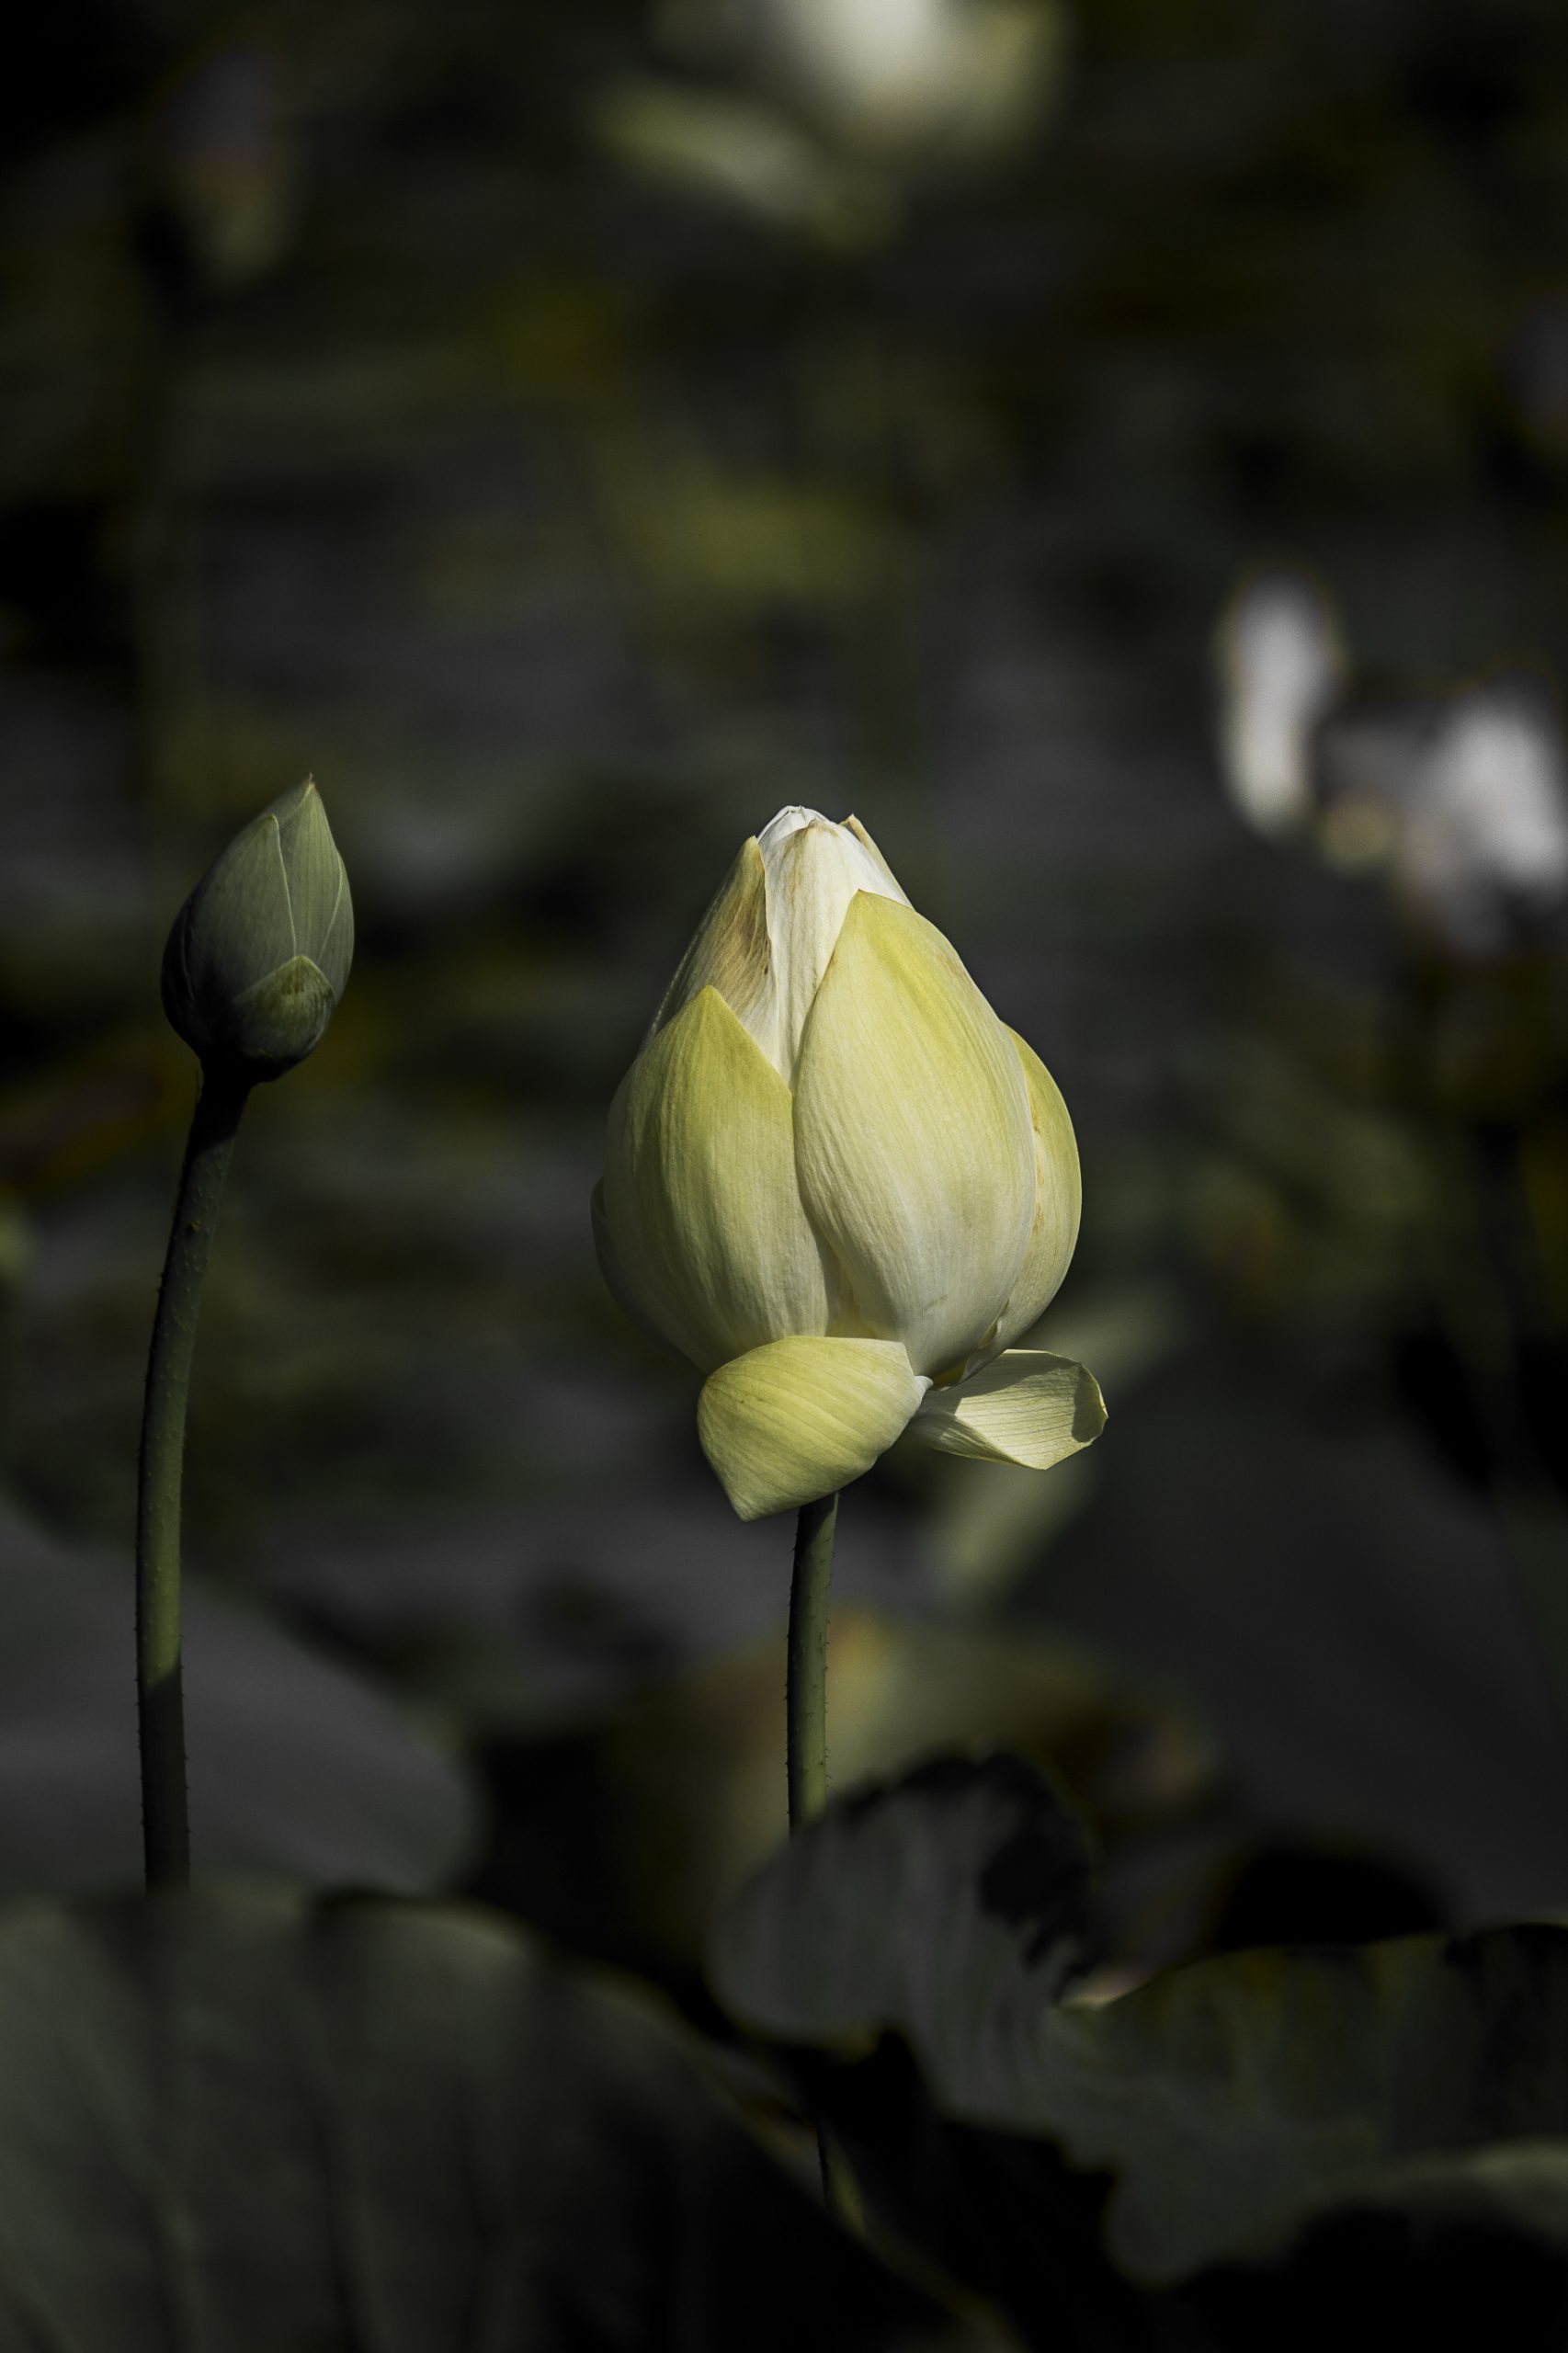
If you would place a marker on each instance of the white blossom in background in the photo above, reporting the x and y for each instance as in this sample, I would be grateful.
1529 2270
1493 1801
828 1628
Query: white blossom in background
1479 851
1458 793
904 82
821 114
1283 669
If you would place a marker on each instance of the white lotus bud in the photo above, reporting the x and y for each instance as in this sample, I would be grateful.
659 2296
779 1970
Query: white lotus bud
839 1185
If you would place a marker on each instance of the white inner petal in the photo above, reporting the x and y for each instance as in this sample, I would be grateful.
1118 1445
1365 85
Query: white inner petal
814 868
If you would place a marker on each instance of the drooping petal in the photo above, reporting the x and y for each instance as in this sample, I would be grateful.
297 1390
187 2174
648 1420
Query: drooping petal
730 952
800 1418
1026 1407
913 1136
1058 1201
814 869
700 1199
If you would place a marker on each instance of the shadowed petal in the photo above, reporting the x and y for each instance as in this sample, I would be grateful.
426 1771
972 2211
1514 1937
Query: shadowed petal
1058 1199
700 1203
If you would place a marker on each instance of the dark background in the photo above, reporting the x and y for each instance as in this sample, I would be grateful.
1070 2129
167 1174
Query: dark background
381 398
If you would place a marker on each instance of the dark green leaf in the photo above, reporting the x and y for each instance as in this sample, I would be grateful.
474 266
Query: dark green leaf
1229 2105
255 2122
951 1904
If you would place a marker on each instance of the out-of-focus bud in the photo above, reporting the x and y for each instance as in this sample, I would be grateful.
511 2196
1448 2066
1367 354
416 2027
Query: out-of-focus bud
223 165
260 951
1283 668
840 1187
909 82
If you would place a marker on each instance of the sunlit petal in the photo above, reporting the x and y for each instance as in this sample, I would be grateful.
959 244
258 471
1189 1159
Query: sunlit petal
913 1135
800 1418
1026 1407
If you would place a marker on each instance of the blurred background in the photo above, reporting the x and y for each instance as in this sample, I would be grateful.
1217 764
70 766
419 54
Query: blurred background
1118 448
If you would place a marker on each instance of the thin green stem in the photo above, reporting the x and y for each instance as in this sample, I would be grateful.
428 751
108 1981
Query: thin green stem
805 1752
160 1695
805 1683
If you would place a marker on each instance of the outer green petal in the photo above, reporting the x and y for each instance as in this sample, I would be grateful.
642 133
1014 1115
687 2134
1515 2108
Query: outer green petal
1057 1200
1026 1407
699 1195
800 1418
731 953
913 1135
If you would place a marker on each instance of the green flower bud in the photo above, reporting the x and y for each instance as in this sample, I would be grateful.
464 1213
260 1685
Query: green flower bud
260 951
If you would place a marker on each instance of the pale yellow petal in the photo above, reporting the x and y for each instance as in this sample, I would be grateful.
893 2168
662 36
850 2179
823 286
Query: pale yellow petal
700 1194
1025 1407
800 1418
1058 1198
913 1136
730 953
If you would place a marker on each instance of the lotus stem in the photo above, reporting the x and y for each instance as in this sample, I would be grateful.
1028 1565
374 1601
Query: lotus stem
805 1754
805 1683
160 1694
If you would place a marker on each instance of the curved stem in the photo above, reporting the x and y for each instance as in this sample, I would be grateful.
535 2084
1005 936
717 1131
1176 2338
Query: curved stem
160 1698
805 1683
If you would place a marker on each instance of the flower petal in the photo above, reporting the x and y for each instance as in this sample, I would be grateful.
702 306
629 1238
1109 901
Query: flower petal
800 1418
730 953
814 869
1057 1200
913 1136
700 1201
1026 1407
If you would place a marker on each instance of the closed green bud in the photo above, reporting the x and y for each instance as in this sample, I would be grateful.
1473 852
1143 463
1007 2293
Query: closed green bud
260 951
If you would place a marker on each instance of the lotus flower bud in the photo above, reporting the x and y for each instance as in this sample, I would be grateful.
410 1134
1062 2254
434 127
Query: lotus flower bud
838 1185
260 951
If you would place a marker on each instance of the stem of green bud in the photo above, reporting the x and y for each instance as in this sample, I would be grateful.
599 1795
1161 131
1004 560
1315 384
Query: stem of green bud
165 1823
805 1751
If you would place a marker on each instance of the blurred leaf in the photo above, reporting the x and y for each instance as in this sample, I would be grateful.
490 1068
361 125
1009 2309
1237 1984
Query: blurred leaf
258 2122
951 1906
732 150
984 1534
1229 2105
295 1766
684 1785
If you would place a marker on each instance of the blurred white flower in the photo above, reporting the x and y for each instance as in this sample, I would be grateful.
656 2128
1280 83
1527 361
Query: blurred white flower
906 82
830 107
1460 793
1281 668
1479 851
